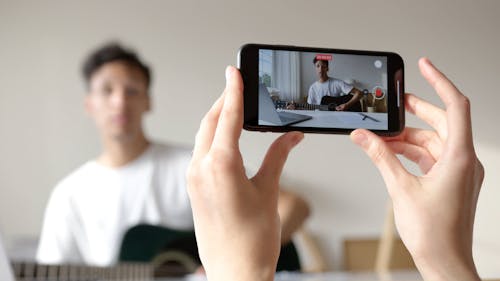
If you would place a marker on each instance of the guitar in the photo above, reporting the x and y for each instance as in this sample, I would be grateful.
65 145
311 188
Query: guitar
25 271
30 271
329 103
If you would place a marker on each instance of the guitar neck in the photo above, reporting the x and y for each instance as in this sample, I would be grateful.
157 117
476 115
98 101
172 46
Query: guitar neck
126 271
306 106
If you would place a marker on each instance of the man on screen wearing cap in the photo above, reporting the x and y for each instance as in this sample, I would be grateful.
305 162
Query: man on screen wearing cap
329 86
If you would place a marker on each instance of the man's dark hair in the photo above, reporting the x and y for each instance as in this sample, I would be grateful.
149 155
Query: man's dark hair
112 52
316 60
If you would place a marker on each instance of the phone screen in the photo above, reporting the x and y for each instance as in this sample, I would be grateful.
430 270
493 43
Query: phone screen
322 90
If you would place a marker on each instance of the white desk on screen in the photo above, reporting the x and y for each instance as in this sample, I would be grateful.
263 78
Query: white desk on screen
342 119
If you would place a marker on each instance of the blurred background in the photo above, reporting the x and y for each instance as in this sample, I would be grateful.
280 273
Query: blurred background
45 134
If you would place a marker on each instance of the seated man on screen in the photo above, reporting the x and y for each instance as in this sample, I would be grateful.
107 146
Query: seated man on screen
329 86
133 181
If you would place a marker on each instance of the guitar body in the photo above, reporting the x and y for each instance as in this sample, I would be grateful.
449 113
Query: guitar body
329 103
333 102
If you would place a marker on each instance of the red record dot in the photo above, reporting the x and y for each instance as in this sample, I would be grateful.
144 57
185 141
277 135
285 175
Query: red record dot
378 93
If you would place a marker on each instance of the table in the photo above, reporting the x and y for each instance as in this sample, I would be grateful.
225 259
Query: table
327 276
342 119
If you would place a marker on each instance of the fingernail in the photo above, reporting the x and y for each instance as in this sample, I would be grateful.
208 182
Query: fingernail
359 138
298 138
427 62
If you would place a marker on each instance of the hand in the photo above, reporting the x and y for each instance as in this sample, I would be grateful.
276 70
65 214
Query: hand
235 218
341 107
434 212
290 106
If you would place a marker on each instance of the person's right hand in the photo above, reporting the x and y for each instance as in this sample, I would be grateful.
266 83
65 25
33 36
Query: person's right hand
341 107
236 218
434 212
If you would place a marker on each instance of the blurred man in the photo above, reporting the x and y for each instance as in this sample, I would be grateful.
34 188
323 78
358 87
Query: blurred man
133 181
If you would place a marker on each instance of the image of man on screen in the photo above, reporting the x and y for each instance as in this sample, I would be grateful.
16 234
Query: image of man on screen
331 87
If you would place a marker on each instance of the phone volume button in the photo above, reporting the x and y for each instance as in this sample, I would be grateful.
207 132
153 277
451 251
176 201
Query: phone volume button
398 93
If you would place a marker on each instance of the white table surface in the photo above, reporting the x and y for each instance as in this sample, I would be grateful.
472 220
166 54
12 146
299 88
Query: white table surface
327 276
342 119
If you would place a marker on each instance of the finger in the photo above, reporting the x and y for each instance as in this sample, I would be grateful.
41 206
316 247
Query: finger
230 123
414 153
384 159
430 114
205 134
272 166
457 105
426 139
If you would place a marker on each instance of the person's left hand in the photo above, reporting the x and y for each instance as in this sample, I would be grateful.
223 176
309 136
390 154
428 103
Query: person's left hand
236 220
341 107
290 106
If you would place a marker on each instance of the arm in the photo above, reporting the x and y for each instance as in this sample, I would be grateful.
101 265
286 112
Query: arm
293 211
434 213
57 244
235 218
311 97
357 95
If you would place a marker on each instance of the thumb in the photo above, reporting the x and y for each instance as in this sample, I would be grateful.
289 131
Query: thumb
383 157
272 166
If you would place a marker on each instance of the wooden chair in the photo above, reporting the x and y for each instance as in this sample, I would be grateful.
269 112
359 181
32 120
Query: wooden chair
381 254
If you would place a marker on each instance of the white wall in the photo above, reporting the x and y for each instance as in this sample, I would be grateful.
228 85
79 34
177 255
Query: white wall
359 70
44 132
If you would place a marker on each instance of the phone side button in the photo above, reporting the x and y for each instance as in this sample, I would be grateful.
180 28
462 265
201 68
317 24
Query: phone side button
399 94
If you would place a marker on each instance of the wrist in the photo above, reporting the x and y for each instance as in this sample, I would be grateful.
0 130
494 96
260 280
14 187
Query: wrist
240 276
436 268
231 272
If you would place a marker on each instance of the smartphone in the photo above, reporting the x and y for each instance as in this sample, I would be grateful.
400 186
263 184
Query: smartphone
321 90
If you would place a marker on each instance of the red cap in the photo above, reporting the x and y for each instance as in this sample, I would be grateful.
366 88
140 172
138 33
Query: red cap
324 57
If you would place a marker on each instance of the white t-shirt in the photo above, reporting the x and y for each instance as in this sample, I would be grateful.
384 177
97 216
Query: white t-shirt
5 266
332 87
91 209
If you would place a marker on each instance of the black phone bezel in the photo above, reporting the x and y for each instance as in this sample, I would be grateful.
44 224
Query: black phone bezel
248 63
